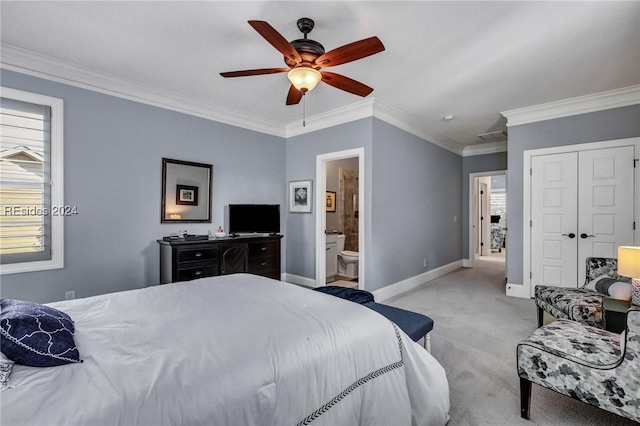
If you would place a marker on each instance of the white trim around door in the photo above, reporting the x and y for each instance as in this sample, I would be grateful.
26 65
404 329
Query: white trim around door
469 263
321 219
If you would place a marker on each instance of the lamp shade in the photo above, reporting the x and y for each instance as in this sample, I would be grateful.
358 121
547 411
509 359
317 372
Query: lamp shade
304 78
629 261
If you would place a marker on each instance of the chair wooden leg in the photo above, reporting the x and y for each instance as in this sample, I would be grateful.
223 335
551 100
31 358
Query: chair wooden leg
427 342
540 316
525 398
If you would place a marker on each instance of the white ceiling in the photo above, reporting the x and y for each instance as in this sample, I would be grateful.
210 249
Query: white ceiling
468 59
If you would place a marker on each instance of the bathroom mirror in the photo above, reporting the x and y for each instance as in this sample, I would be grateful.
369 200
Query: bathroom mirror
186 192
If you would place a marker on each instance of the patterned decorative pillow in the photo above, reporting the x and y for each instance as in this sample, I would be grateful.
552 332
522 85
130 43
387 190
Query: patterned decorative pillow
6 365
36 335
611 287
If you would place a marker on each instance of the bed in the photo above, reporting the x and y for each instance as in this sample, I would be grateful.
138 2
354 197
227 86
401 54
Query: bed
232 350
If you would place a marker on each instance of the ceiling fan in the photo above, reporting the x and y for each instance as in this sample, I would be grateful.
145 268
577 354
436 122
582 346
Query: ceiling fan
305 57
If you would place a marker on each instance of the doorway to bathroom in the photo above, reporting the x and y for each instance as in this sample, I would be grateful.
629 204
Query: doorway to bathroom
340 218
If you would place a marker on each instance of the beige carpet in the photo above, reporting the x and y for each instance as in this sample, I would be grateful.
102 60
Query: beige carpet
475 335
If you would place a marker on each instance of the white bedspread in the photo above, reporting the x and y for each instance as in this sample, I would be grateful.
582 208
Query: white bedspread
232 350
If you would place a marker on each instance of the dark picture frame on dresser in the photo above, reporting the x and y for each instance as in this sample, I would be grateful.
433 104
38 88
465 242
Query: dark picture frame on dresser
182 260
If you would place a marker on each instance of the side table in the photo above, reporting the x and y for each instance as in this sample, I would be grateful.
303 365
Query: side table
614 314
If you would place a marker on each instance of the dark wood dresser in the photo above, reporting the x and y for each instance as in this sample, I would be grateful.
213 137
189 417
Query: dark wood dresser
187 260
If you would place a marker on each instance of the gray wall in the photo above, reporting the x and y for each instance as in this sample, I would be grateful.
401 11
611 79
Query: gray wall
301 165
611 124
416 193
412 191
113 151
476 164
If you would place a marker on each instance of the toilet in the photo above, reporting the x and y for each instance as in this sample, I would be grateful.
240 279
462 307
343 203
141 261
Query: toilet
347 260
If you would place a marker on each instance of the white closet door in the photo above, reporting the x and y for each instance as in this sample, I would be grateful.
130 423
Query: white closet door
554 220
605 213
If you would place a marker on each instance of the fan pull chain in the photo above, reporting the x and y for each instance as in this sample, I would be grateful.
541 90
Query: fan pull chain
304 110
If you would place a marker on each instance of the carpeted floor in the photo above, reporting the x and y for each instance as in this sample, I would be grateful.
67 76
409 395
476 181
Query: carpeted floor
477 329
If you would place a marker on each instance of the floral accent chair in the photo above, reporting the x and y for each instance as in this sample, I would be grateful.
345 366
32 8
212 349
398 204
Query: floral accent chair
586 363
578 304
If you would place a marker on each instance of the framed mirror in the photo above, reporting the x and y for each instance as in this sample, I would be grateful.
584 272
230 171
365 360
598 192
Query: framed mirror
186 192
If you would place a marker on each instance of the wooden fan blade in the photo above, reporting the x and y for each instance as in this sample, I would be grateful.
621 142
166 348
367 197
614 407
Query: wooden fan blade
351 52
276 40
261 71
294 96
345 83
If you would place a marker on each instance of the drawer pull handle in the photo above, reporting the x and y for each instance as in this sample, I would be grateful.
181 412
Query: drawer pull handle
263 248
263 263
198 273
198 254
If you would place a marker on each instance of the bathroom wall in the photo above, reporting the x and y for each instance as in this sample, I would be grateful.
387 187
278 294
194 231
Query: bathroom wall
349 207
333 184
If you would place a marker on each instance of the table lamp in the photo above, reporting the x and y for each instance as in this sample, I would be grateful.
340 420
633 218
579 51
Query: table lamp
629 266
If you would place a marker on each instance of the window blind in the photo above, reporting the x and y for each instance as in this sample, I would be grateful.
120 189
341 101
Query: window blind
25 181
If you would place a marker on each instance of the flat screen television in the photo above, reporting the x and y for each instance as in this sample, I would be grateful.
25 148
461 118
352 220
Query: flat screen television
254 218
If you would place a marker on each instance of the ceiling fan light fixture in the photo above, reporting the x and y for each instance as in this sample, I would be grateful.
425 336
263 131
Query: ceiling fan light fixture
304 78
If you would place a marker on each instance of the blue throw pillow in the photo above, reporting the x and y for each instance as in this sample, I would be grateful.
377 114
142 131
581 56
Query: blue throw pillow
36 335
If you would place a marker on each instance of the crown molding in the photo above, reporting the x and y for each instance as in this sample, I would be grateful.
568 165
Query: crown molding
36 65
485 148
580 105
41 66
368 108
402 121
345 114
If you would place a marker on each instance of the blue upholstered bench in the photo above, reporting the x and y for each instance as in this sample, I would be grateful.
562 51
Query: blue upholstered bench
415 325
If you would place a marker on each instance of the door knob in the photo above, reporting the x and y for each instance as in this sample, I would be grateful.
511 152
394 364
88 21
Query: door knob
586 236
571 235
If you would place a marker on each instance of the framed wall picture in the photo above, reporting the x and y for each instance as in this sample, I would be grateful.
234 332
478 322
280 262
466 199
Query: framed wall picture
186 195
330 202
300 196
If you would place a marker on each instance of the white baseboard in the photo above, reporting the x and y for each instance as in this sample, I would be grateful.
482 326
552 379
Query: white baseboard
467 263
518 290
404 286
391 290
299 280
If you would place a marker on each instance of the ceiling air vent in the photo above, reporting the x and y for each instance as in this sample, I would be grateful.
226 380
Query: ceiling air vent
493 136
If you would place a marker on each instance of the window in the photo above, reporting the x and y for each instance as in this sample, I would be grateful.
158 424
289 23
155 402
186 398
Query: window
31 185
